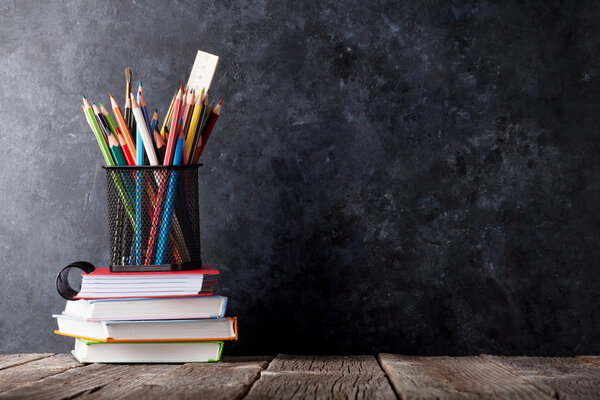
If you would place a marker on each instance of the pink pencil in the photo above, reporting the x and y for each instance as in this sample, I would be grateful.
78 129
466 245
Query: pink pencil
173 128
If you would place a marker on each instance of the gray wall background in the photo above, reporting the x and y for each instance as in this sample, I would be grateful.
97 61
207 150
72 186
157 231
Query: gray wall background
412 177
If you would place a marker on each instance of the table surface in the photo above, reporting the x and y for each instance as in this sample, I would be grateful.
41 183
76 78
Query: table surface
385 376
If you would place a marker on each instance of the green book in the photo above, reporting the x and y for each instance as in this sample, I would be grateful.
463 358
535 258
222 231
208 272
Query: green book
89 351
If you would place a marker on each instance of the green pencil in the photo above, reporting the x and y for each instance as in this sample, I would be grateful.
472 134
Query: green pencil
116 151
97 132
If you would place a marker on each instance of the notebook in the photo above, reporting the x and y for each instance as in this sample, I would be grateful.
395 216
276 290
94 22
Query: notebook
87 351
147 308
105 284
148 330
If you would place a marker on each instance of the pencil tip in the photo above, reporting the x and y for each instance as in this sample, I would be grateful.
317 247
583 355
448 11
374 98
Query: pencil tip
140 83
220 101
181 87
83 96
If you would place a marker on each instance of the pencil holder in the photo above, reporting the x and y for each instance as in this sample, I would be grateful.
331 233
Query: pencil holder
153 219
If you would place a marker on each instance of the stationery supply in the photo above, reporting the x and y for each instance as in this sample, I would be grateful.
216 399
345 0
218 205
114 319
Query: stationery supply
153 321
152 209
155 302
102 284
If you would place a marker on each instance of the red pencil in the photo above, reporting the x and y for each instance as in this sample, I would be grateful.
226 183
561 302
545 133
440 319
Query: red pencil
214 115
173 129
126 152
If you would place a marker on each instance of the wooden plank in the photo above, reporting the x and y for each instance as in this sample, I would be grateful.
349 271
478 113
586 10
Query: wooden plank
122 385
313 377
223 380
23 374
11 360
454 378
591 359
560 377
73 382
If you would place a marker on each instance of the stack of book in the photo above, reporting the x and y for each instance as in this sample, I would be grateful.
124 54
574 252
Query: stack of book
147 317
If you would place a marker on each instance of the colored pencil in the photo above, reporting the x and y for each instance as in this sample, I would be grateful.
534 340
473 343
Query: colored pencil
129 116
143 106
165 225
168 114
123 126
160 146
128 75
108 159
98 133
208 130
124 147
145 135
190 138
116 151
189 105
109 120
173 129
101 122
154 121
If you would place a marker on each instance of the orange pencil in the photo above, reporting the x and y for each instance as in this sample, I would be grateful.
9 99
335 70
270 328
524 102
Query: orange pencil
123 126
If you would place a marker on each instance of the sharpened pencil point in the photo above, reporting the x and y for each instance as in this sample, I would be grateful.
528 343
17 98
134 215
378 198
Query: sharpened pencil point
220 101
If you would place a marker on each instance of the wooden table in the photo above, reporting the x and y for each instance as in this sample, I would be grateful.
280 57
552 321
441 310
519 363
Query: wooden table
387 376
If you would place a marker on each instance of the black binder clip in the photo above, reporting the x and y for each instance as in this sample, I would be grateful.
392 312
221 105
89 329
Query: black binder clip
62 279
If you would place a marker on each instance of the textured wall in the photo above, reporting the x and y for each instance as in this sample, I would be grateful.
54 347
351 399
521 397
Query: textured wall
413 177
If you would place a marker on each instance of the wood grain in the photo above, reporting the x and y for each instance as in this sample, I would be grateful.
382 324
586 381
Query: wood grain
591 359
23 374
455 378
314 377
559 377
122 386
215 381
73 382
10 360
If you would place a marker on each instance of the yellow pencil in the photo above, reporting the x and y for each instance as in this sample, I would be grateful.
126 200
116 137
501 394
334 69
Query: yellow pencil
189 140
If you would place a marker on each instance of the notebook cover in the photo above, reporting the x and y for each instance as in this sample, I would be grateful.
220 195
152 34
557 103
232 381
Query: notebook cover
137 297
106 271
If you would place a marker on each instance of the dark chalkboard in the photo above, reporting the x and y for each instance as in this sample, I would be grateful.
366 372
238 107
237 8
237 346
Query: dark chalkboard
404 177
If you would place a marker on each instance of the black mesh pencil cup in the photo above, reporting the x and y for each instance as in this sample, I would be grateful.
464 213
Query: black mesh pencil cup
153 218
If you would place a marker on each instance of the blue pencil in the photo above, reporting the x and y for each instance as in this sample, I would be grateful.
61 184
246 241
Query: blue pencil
142 102
165 224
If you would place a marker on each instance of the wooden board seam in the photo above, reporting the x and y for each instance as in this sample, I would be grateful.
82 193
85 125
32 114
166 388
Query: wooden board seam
256 378
27 361
398 395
